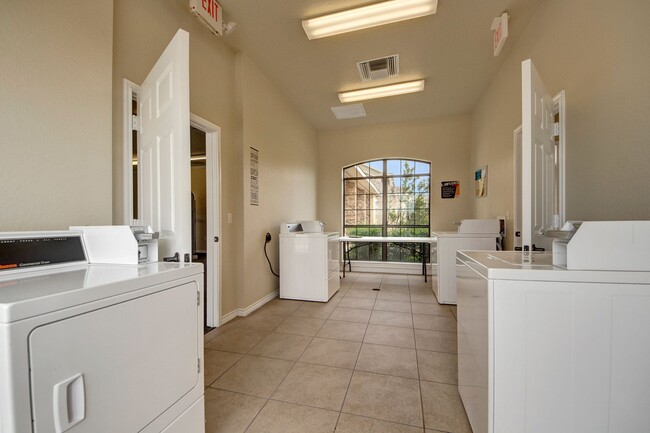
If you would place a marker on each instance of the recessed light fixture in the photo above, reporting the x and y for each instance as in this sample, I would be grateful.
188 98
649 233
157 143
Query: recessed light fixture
382 91
377 14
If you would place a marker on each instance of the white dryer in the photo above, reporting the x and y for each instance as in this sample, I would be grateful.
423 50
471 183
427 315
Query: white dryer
97 348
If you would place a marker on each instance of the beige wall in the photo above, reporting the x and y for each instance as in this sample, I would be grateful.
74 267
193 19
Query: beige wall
55 114
598 53
444 142
287 147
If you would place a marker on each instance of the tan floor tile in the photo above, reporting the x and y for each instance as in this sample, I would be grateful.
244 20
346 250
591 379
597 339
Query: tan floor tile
363 293
386 295
281 307
395 361
390 336
349 302
342 330
280 417
436 340
314 385
358 424
300 326
314 310
424 298
430 309
282 346
239 340
254 375
390 318
438 367
217 362
335 353
395 288
389 398
443 409
395 280
396 306
351 315
434 323
261 320
230 412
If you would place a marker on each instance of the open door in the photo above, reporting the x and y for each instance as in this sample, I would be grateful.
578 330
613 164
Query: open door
164 150
538 162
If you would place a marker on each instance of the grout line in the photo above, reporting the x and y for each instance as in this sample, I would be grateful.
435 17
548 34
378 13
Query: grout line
352 375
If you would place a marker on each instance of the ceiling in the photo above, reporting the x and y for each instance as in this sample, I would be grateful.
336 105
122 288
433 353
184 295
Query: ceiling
451 50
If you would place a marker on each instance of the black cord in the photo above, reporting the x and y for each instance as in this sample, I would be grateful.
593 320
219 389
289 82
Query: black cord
267 259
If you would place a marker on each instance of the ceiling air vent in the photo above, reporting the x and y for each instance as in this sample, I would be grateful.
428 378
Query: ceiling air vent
350 111
377 69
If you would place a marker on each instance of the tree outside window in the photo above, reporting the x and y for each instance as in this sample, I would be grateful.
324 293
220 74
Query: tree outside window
388 197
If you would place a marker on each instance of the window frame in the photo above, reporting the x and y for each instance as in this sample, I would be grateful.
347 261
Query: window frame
385 226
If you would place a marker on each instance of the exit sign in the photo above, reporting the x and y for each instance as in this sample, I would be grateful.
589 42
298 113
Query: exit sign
500 27
210 13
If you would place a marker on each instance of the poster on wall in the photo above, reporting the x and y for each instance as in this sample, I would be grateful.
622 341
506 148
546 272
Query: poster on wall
254 174
449 189
480 177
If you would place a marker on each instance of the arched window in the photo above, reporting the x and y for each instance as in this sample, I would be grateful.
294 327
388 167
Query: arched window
386 197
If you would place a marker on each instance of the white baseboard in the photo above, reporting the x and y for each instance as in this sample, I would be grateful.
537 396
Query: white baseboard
389 267
243 312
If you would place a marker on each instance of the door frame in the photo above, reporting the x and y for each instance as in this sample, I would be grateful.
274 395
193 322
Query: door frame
213 186
213 183
130 93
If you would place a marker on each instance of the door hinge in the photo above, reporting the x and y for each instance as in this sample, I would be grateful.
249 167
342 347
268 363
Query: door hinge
135 123
556 129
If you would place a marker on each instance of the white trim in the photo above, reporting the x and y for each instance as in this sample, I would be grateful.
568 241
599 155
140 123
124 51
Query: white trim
213 192
516 204
389 267
243 312
129 89
559 106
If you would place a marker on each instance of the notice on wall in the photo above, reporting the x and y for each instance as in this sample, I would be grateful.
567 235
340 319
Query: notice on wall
254 174
449 189
480 176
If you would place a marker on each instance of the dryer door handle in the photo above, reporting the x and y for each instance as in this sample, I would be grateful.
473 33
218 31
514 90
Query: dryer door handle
69 403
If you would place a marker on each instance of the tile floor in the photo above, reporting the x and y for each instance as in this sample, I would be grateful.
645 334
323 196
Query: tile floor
367 361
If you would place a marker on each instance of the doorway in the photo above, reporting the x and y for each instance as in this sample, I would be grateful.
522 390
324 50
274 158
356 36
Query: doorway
205 162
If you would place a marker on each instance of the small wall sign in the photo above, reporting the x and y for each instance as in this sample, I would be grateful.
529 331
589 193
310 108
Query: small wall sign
449 189
480 177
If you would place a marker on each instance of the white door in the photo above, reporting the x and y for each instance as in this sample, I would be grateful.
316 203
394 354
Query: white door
538 160
164 152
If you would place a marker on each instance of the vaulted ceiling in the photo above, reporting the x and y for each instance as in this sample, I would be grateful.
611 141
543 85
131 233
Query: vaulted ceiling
451 50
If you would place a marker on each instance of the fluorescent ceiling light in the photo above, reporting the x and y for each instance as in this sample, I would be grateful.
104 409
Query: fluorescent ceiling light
381 91
368 16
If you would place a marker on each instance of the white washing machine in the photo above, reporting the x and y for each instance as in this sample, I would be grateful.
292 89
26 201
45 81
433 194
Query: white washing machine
97 348
309 262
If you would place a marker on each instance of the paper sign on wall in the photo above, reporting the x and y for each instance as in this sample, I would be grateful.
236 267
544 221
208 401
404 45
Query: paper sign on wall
254 175
480 176
450 189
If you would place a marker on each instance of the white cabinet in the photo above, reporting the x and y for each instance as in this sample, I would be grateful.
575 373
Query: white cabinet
545 349
101 348
309 266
